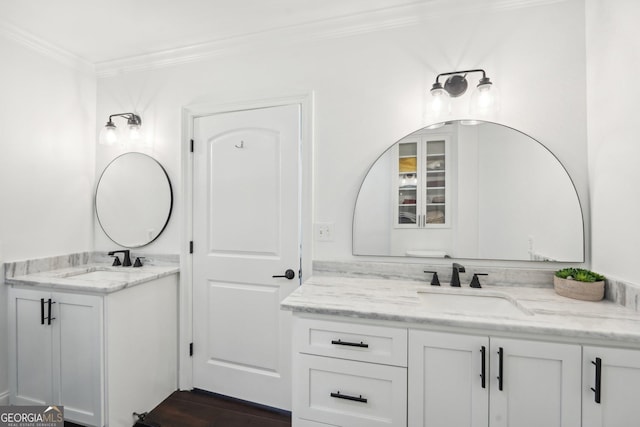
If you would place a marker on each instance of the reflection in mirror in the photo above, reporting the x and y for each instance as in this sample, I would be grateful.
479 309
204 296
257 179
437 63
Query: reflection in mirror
475 190
134 200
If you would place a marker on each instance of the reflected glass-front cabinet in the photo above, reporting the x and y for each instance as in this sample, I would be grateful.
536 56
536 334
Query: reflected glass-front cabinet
422 188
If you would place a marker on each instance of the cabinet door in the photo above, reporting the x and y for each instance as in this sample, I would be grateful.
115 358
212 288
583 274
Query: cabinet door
445 381
30 340
534 384
618 385
77 352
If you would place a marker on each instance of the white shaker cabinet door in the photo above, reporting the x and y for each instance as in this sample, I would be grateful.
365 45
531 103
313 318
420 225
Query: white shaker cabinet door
77 352
611 386
30 356
448 379
534 384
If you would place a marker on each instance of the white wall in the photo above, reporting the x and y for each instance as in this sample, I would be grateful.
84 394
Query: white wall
369 92
613 62
46 162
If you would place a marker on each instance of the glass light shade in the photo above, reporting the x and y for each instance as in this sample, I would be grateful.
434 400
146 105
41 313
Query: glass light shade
484 99
135 134
109 135
439 104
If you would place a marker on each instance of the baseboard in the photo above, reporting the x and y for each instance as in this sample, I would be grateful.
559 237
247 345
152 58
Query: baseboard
4 398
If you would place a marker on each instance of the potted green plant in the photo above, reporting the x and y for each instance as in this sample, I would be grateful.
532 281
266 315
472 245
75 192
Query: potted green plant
579 283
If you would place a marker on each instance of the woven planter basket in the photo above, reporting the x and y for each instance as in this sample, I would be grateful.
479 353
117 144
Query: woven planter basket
586 291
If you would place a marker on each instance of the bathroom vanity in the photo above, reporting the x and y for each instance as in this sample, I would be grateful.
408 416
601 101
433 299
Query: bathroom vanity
373 352
101 341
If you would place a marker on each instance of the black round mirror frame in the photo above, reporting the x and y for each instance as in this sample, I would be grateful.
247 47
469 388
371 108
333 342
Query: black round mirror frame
170 209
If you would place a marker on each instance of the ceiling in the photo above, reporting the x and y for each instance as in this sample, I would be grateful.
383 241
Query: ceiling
101 31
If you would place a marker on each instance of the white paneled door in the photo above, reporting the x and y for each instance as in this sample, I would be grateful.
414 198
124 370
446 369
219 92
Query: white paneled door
246 230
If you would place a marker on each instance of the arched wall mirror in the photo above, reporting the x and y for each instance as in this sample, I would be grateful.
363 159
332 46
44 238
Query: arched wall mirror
469 189
133 200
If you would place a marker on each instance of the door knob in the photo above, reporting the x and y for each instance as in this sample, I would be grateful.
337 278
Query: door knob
289 274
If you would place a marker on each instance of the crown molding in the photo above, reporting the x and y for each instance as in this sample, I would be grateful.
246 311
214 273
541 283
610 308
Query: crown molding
45 48
345 26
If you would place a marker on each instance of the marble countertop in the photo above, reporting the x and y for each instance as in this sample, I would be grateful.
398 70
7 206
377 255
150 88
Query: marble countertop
93 278
538 311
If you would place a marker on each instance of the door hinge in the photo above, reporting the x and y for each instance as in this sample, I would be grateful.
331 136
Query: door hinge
192 145
190 349
191 247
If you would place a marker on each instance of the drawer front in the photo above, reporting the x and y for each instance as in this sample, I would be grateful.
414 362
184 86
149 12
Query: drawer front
366 343
348 393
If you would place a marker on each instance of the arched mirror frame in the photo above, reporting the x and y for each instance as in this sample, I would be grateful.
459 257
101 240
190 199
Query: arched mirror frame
436 126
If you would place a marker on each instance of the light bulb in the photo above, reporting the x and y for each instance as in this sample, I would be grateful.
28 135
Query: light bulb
484 98
109 134
440 102
135 134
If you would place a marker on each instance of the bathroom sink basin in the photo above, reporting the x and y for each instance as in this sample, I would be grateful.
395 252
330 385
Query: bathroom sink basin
480 303
98 273
106 275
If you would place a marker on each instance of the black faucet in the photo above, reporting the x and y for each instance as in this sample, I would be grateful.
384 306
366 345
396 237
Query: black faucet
455 275
127 257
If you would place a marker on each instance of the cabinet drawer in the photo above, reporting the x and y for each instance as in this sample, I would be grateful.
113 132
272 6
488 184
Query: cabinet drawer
367 343
348 393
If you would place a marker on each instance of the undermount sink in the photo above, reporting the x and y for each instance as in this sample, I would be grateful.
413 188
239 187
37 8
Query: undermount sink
98 273
480 302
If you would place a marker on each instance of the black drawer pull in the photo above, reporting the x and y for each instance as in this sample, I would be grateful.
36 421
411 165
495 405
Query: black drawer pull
347 397
596 391
42 311
350 344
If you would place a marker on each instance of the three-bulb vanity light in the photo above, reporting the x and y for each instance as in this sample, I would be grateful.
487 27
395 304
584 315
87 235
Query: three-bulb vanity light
110 135
484 98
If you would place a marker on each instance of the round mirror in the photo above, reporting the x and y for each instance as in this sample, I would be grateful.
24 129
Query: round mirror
469 189
133 200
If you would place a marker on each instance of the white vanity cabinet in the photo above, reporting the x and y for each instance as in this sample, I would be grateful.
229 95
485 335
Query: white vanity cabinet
101 356
482 381
56 354
349 374
611 386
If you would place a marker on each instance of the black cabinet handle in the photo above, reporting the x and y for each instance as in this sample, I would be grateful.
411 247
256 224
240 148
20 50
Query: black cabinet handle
596 391
42 311
483 366
289 274
350 344
500 368
347 397
49 318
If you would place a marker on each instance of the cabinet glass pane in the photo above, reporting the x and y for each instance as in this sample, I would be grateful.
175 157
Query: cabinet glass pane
407 197
435 179
435 147
408 149
435 214
407 214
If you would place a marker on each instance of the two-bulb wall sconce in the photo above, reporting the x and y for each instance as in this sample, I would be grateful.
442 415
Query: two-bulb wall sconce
110 134
484 98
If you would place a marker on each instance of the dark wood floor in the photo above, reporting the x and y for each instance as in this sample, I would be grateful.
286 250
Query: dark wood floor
201 409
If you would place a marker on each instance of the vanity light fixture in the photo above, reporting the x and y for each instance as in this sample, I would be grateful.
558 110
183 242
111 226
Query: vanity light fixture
484 98
109 135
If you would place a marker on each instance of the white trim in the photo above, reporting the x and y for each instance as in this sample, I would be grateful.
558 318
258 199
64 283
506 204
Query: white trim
344 26
4 398
189 114
45 48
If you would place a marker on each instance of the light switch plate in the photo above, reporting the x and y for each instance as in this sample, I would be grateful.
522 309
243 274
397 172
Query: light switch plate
324 231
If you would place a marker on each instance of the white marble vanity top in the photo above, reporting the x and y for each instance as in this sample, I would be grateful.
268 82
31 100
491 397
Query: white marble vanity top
94 278
547 313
